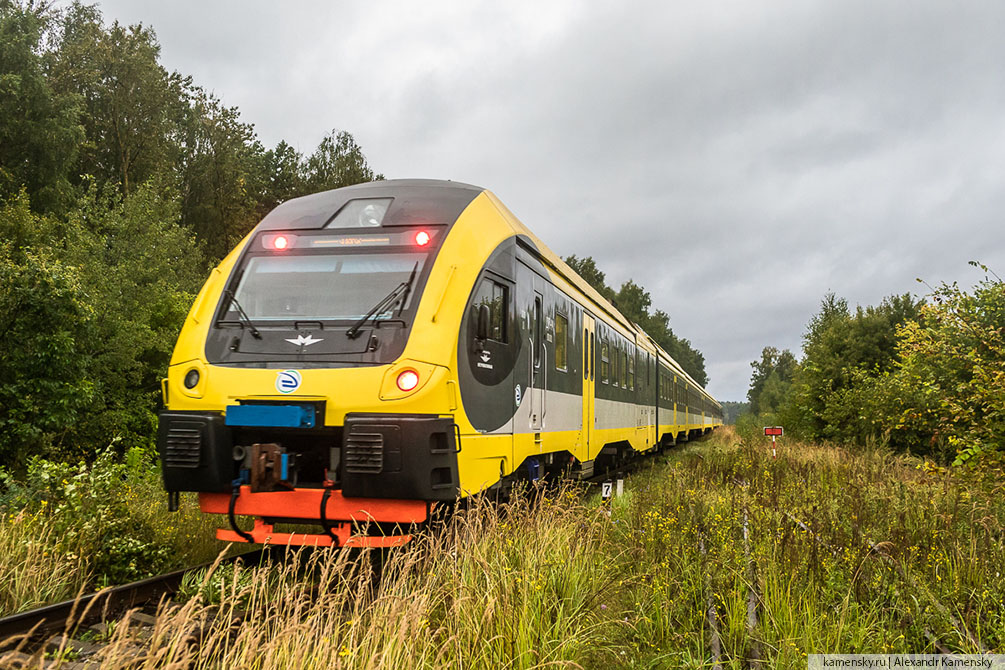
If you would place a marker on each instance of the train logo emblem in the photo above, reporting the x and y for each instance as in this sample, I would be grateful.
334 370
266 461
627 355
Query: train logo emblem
302 341
288 381
516 395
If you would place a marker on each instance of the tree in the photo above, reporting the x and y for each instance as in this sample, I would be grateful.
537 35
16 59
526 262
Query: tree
39 129
142 269
952 373
46 322
90 308
771 380
132 107
283 177
221 174
338 161
841 354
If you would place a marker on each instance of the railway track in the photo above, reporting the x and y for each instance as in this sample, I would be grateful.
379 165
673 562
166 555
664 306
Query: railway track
72 634
68 630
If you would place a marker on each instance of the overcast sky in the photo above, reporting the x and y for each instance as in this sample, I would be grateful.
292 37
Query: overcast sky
738 159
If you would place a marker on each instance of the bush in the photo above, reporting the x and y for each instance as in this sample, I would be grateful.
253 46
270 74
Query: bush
106 520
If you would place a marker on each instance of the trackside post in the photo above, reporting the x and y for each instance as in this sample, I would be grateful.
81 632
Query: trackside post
774 432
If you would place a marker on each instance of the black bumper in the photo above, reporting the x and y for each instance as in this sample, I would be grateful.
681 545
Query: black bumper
395 456
196 452
404 456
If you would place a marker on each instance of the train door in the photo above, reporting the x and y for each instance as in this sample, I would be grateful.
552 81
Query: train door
538 362
649 398
589 382
676 406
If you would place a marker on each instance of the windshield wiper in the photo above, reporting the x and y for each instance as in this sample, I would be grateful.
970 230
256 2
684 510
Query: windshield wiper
245 320
398 292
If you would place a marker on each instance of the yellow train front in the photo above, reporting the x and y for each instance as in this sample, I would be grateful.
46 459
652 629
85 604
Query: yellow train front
368 353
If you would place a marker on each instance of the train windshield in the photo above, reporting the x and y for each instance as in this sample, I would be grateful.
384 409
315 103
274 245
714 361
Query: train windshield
328 287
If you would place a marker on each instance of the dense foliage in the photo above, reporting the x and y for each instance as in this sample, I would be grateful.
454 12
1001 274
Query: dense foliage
731 410
925 377
635 302
120 184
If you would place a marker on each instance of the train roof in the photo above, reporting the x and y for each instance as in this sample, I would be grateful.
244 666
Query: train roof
416 202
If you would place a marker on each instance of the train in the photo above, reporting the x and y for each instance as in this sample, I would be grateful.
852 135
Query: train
368 355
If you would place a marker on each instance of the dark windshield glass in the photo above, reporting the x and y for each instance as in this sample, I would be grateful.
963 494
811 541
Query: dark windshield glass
330 287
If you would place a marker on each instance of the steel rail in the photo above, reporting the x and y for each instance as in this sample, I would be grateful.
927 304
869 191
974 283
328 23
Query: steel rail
93 607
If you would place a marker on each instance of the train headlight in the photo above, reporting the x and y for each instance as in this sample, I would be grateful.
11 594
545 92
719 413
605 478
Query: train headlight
408 380
191 378
422 238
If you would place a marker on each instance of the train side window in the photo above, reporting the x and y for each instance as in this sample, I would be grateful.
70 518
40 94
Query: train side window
605 363
615 361
631 372
538 327
624 369
496 297
586 354
561 342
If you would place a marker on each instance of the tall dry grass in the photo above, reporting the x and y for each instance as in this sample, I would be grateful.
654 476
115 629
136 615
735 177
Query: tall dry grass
33 570
66 528
527 585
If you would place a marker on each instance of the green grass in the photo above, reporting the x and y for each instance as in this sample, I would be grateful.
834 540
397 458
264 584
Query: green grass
847 552
844 552
66 529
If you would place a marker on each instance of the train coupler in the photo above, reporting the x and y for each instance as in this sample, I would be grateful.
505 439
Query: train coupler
272 468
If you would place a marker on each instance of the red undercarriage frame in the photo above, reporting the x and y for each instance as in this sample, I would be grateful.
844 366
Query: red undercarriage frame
305 504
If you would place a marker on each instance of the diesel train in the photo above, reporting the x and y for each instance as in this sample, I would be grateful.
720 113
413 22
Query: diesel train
368 353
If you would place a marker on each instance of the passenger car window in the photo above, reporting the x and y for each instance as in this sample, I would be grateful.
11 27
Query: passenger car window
561 341
605 364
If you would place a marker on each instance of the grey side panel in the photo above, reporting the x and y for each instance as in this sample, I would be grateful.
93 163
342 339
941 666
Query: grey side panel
486 369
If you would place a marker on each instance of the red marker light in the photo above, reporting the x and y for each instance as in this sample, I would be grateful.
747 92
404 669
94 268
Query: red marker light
280 242
422 238
408 380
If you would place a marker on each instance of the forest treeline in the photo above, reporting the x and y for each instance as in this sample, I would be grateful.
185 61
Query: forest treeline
121 183
925 376
635 302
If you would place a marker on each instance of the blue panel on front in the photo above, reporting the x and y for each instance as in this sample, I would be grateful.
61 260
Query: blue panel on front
271 416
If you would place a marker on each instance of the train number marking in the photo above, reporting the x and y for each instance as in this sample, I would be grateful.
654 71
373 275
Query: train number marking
288 381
